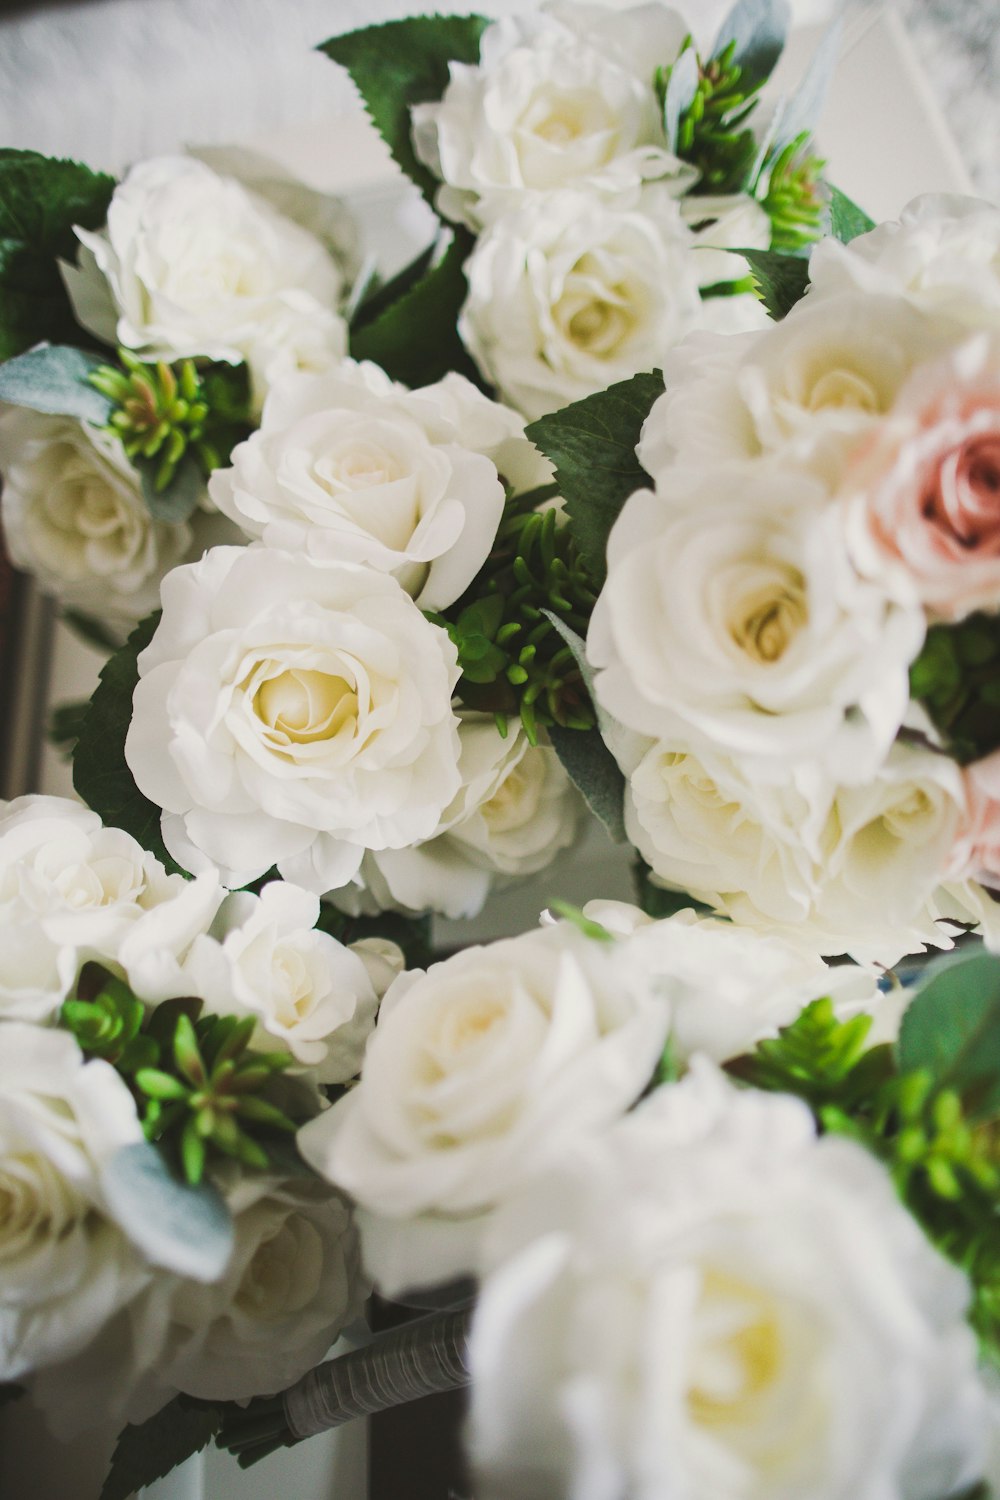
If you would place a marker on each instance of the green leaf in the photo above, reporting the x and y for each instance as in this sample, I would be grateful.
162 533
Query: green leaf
759 28
581 921
100 773
402 63
54 379
186 1229
94 632
415 338
847 220
781 279
177 500
952 1030
592 445
65 723
383 297
147 1452
40 200
594 772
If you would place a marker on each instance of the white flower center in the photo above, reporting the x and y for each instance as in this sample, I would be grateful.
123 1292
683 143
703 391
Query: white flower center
36 1204
515 801
769 613
303 706
739 1352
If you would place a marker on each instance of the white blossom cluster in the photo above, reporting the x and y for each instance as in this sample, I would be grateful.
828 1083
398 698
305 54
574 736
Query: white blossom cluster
822 492
591 252
85 1315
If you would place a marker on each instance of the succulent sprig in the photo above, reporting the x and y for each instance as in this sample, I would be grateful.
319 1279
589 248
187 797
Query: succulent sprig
712 133
794 198
513 659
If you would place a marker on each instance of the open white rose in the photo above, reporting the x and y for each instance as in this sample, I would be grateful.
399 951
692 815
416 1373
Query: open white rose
351 467
197 265
65 1267
942 254
480 1070
310 994
807 390
74 517
563 97
293 713
515 810
566 302
731 616
710 1301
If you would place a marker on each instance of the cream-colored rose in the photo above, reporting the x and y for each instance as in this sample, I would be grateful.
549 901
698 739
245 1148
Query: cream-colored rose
293 713
560 98
480 1070
74 517
711 1301
566 302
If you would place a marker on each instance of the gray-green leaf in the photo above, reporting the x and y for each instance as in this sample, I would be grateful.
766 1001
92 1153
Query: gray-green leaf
594 772
759 29
681 89
177 500
592 444
952 1028
186 1229
54 378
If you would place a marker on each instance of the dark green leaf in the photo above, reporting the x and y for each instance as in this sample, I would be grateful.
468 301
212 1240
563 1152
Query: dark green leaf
65 723
657 900
402 63
177 500
594 771
415 338
54 379
94 632
952 1029
40 200
847 220
957 679
100 773
390 291
781 279
592 444
188 1230
413 934
759 28
155 1447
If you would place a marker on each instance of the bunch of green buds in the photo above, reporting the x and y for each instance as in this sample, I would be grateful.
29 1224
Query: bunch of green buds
163 412
711 133
794 200
201 1091
513 658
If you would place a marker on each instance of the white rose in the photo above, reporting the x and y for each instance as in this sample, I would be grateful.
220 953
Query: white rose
292 713
728 987
515 810
310 994
351 467
942 254
732 616
560 98
479 1071
197 265
66 1267
74 517
713 1302
36 973
807 391
566 302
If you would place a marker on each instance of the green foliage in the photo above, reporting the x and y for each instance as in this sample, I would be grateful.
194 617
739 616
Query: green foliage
592 445
414 337
65 723
100 773
176 423
957 679
55 379
151 1449
753 34
781 279
594 772
413 934
582 923
847 220
951 1031
94 632
107 1021
706 108
185 1228
824 1061
40 200
506 627
793 200
656 900
402 63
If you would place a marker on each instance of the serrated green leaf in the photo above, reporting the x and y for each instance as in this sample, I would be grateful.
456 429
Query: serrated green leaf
781 279
759 29
594 772
847 220
592 445
952 1029
415 339
186 1229
100 773
54 379
147 1452
177 500
41 198
401 63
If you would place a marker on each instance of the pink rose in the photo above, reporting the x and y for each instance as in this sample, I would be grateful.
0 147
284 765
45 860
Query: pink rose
976 854
923 494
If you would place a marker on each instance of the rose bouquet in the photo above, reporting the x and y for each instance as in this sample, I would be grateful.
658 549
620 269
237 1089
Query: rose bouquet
671 1184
